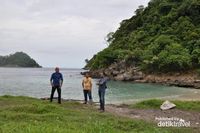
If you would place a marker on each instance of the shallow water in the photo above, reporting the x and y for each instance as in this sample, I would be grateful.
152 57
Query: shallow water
35 82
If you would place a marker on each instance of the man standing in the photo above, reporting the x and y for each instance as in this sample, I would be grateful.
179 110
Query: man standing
56 83
87 88
102 89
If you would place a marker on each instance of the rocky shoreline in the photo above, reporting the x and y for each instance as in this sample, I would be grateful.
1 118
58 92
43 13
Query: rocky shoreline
120 72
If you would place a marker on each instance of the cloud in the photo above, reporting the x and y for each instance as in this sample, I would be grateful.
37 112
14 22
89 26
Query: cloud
70 30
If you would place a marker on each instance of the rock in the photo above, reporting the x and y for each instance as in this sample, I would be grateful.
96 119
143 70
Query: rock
137 77
185 83
197 81
197 85
115 73
128 76
108 72
177 74
140 73
140 81
83 73
96 73
122 71
167 105
119 77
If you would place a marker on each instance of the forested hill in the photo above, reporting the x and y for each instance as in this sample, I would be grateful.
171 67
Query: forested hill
19 59
164 37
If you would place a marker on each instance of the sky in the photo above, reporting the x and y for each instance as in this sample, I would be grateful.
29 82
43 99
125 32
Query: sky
61 32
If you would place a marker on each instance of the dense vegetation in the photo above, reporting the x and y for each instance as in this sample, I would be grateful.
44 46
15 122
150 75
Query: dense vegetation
163 37
19 59
29 115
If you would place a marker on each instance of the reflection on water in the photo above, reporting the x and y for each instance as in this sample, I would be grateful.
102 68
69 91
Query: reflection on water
35 82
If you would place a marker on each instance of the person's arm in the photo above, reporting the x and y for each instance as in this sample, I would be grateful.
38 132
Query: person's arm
98 83
61 82
106 80
106 85
51 80
83 83
90 83
101 81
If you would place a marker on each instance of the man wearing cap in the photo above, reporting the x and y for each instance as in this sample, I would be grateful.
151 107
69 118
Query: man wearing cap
56 83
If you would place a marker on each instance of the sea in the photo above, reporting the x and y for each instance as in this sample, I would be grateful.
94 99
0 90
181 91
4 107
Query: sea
35 82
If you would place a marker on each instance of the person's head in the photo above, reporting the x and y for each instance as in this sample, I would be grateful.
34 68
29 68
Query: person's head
57 69
87 75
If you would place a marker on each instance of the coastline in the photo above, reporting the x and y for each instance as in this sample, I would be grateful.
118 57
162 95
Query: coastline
188 80
135 75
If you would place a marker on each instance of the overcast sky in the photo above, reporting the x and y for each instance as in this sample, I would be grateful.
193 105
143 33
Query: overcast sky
60 32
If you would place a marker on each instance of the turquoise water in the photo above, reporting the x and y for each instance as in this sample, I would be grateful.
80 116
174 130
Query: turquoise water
35 82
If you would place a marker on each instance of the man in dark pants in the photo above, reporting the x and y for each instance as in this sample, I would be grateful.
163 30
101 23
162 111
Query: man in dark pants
56 83
102 89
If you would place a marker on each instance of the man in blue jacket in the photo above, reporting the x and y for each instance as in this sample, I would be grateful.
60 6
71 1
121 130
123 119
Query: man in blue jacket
102 89
56 83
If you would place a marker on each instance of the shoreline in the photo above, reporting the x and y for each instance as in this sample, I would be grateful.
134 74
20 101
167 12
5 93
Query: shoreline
176 79
182 97
187 79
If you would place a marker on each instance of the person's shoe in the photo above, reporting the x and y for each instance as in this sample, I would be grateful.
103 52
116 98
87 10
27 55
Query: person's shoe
90 102
101 111
85 103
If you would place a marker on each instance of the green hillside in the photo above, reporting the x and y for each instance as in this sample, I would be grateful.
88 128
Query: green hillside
163 37
19 59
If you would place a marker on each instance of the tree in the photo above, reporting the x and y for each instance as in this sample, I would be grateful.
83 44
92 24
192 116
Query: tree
174 58
164 36
139 10
109 37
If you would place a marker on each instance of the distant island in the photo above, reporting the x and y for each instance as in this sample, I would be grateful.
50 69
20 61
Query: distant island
18 59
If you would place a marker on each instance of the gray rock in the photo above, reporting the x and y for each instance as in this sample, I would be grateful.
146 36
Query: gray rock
128 76
108 72
119 77
115 73
122 71
167 105
137 77
197 81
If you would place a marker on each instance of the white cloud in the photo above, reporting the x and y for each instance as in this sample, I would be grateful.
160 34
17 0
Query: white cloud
55 30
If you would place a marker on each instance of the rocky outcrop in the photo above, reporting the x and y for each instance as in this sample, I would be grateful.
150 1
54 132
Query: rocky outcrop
123 72
120 71
181 80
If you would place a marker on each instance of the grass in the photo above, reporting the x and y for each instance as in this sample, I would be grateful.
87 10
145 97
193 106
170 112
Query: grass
155 104
29 115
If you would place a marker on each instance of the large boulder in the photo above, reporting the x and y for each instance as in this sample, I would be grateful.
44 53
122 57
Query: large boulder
119 77
128 76
115 73
167 105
